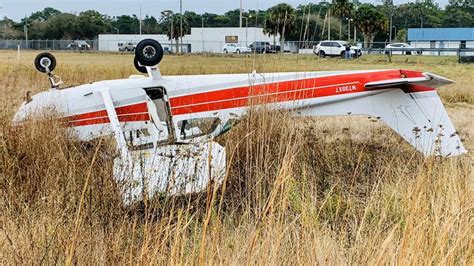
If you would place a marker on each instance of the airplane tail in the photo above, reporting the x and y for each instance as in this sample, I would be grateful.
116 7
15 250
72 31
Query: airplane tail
411 107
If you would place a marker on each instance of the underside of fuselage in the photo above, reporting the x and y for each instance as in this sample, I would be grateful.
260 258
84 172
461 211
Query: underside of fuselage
155 118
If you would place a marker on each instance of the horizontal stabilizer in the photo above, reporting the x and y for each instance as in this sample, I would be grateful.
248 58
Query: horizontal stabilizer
428 80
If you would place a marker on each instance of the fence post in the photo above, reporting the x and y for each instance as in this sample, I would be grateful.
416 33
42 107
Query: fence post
459 53
18 52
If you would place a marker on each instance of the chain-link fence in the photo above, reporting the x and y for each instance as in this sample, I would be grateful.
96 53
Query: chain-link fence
50 44
435 48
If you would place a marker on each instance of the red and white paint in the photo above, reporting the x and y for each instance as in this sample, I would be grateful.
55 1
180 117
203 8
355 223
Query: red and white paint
405 100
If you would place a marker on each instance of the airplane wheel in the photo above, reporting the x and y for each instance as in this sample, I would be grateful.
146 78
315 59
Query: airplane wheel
138 65
45 60
149 52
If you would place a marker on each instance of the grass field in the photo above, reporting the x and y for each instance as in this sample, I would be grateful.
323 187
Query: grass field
342 190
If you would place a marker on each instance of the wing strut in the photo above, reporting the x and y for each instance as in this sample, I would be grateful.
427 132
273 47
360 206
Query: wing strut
115 126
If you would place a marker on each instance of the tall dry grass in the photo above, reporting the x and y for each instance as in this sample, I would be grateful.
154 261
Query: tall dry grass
298 191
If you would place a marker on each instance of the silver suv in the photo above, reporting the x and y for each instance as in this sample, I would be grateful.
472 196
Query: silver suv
335 48
127 47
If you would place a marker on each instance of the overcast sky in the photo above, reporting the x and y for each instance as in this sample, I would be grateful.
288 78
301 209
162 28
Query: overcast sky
17 9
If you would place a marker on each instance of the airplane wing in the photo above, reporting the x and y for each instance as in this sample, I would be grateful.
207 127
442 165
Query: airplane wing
410 107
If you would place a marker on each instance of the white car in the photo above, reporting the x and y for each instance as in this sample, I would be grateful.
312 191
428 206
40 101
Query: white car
401 48
335 48
234 48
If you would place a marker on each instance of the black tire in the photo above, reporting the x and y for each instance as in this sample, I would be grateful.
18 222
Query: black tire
322 54
139 66
408 53
149 52
225 51
343 54
44 60
238 51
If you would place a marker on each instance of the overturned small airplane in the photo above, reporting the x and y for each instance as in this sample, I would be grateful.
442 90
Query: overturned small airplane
165 126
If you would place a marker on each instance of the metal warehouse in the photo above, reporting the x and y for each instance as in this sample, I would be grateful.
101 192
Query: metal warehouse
442 38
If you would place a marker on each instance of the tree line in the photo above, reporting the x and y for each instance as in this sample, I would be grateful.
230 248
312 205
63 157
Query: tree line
306 22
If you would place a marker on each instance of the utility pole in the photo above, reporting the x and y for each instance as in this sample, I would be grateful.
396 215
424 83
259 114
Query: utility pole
355 35
256 24
349 29
181 26
389 6
246 30
390 35
240 20
202 33
329 25
140 19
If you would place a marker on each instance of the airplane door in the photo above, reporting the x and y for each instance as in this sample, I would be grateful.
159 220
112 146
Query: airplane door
160 112
157 128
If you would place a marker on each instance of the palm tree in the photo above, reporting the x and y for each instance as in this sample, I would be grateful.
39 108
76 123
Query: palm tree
343 9
172 25
369 20
280 21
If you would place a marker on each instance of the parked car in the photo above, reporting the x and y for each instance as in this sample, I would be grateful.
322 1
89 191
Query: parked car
276 48
335 48
127 47
261 47
78 45
401 48
167 50
235 48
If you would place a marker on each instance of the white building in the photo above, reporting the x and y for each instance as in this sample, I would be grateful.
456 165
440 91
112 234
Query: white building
200 39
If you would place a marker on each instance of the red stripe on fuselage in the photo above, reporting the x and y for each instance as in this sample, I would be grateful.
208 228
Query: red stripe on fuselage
247 95
129 113
104 120
276 92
